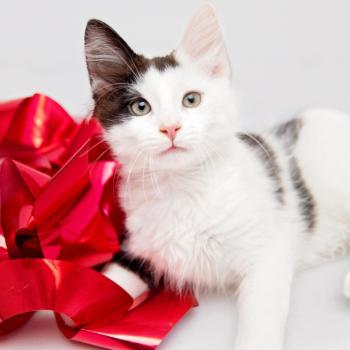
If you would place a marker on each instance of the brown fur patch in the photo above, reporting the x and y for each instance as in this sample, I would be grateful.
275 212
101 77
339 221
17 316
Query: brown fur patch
162 63
111 103
268 157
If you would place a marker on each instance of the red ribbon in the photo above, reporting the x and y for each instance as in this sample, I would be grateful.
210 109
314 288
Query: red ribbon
59 218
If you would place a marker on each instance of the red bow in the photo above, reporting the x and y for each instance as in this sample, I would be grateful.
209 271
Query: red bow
59 218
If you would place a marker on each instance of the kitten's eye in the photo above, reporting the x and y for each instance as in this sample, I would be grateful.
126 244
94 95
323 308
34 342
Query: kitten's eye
191 99
140 107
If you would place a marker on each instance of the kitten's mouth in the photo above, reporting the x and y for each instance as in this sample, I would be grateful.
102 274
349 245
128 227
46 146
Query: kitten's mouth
173 149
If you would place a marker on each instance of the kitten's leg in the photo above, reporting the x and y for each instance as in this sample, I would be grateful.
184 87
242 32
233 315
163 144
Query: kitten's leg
263 303
140 268
126 279
133 275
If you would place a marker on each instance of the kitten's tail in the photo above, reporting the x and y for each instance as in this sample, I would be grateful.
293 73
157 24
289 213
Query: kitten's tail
347 286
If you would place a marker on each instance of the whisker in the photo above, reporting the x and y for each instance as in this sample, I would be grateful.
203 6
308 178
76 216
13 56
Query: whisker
91 148
97 159
154 175
143 178
126 190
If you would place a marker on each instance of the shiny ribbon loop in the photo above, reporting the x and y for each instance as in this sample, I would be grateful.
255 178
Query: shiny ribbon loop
60 286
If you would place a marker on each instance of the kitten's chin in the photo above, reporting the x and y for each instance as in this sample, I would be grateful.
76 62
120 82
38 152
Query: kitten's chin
175 158
166 159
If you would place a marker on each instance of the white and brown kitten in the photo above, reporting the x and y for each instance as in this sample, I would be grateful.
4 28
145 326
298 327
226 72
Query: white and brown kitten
210 206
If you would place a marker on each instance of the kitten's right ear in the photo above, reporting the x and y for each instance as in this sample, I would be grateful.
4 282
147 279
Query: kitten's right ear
204 43
108 56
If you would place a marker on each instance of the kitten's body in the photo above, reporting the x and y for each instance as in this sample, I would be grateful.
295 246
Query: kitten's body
210 224
214 208
214 227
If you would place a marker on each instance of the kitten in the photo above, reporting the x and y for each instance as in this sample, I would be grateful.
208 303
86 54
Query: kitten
210 206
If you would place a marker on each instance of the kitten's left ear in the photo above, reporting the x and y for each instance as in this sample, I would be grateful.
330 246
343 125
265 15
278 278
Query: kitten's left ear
109 58
203 42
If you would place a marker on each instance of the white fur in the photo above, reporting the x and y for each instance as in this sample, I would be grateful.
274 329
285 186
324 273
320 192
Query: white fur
128 280
208 217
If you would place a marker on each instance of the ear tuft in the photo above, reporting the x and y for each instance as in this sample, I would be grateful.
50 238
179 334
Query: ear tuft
204 43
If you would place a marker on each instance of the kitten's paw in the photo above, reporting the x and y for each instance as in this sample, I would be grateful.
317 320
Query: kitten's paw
347 286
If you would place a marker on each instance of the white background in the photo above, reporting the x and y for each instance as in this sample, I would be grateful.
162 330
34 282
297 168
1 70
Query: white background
287 55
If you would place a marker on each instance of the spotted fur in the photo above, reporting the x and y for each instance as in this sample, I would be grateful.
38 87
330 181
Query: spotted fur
288 132
306 203
267 156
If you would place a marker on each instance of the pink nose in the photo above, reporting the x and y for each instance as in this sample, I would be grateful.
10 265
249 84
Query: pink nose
170 131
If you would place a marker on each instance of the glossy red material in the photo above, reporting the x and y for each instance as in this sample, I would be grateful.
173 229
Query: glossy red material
59 219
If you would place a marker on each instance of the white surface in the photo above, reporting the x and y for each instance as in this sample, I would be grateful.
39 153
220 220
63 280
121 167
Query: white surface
286 55
319 319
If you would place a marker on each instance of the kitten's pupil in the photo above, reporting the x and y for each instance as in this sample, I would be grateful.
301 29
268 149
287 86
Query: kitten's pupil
190 99
141 105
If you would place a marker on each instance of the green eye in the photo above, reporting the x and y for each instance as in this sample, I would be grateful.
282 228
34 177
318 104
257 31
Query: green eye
140 107
191 99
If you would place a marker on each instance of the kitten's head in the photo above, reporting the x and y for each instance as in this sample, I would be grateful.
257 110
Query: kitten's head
162 112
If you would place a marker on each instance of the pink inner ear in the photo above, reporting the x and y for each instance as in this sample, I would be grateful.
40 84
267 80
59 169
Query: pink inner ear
217 70
199 50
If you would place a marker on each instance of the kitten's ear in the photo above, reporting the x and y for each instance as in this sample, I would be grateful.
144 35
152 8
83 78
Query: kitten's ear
203 41
108 56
